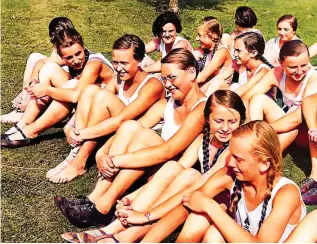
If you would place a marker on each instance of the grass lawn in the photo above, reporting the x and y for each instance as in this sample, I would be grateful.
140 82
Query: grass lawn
28 213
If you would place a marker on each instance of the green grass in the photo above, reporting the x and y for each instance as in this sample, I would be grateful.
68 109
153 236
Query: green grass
28 211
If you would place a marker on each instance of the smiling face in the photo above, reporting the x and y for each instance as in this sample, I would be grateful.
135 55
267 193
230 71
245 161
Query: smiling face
74 56
244 165
206 41
285 31
242 55
223 121
124 63
296 67
178 82
168 33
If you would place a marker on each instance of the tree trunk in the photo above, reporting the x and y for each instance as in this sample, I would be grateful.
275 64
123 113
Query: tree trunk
174 6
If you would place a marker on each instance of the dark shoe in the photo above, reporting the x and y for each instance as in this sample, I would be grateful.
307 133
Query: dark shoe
310 197
86 215
63 203
7 143
307 184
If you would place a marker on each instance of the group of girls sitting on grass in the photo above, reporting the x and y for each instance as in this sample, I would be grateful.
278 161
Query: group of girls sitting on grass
216 164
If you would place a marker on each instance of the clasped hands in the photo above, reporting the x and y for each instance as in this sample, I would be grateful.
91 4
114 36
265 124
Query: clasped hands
106 166
37 89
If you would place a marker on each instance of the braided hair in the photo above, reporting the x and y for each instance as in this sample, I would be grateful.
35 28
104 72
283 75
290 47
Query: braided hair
253 42
225 98
266 147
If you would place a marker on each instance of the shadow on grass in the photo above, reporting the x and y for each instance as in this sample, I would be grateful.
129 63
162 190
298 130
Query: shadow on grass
163 5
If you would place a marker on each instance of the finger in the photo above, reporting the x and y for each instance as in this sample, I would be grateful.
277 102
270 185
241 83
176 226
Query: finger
122 215
124 221
125 201
185 199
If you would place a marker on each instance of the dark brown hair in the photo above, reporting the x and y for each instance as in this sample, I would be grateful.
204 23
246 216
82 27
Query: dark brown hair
131 41
291 19
67 38
293 48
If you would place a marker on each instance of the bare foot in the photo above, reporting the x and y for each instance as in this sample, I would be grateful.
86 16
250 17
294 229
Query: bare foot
11 118
72 154
69 173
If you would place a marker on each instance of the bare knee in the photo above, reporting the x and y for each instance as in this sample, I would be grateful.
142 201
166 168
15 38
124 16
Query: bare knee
48 70
35 57
129 127
258 99
89 90
212 235
189 176
171 169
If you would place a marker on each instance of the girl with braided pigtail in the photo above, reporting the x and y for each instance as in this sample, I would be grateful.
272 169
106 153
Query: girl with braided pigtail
213 56
262 200
248 68
223 113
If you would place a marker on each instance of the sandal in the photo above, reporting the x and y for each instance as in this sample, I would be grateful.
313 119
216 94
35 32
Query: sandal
6 142
11 131
71 237
88 238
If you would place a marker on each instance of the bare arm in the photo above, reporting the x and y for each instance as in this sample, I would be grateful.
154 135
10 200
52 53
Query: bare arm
255 79
148 95
89 75
219 81
313 50
154 114
275 224
217 61
190 156
190 129
288 122
267 82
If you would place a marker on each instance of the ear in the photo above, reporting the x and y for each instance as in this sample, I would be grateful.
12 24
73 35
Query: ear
264 166
254 53
192 73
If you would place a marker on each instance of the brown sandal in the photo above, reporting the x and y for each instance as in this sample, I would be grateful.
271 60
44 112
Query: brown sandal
88 238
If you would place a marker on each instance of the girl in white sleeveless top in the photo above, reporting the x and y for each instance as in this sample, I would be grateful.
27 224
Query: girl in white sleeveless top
212 55
228 110
140 146
286 29
165 29
265 206
297 81
248 68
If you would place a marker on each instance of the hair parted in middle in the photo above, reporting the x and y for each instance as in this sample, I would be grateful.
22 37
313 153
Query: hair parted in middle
134 42
184 58
67 38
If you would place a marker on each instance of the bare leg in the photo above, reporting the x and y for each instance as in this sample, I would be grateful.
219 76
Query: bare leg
172 220
51 74
213 235
195 228
120 144
309 109
103 106
127 177
306 230
261 106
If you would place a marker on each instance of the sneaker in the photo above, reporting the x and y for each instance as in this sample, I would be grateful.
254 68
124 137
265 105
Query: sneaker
310 197
307 184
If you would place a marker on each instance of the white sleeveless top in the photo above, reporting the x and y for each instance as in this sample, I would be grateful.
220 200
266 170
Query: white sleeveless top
243 77
291 100
169 127
134 96
250 220
162 48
